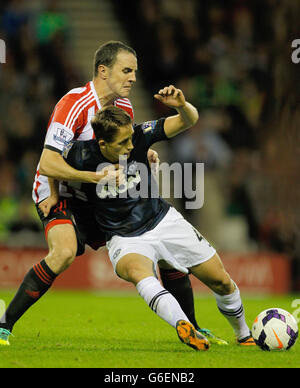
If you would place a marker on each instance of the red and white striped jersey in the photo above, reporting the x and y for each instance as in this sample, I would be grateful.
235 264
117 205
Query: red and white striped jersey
70 121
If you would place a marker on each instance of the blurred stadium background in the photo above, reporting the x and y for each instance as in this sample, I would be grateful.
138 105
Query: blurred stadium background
231 58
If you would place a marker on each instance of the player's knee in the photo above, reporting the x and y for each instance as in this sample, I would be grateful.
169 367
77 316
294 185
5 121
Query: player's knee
129 273
135 275
133 272
134 267
68 255
223 284
61 259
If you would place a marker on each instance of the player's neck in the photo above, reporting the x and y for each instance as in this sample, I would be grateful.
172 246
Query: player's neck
105 95
107 156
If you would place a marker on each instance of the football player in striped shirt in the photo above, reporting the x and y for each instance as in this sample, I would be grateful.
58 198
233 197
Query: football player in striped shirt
67 231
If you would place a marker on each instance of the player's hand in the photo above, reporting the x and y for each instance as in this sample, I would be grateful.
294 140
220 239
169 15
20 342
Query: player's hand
47 205
171 96
112 174
153 157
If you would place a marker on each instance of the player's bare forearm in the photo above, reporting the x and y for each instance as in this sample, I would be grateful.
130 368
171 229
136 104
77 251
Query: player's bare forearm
187 117
54 166
187 114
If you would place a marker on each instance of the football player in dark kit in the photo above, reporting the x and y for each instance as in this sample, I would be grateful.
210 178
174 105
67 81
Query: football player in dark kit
144 230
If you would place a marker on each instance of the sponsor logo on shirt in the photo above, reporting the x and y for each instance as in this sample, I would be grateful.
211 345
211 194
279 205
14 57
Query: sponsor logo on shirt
113 191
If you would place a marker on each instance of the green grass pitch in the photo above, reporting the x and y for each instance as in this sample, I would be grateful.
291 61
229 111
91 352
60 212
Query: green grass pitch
110 330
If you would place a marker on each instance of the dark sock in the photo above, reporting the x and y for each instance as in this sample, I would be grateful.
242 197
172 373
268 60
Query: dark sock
179 285
36 282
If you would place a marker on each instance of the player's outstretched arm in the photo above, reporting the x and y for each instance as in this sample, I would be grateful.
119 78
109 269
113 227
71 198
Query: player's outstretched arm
187 114
54 166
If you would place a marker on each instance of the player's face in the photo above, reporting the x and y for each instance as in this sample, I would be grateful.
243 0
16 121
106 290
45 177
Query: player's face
122 75
121 146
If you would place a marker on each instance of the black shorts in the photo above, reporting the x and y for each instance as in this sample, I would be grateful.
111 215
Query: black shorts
80 215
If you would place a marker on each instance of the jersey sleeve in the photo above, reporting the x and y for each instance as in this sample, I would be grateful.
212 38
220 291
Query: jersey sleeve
152 131
62 126
80 154
72 153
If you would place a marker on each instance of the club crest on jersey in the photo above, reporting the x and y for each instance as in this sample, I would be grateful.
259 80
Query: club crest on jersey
62 136
149 126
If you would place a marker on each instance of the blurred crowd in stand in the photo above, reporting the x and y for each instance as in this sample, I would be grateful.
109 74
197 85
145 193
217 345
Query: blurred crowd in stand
37 73
231 58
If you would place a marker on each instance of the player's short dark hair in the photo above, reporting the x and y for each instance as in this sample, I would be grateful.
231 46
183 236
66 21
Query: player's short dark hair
107 53
107 121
